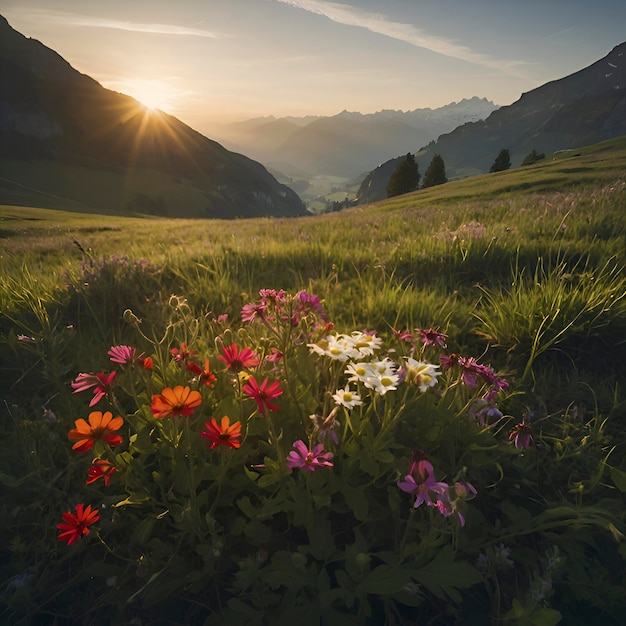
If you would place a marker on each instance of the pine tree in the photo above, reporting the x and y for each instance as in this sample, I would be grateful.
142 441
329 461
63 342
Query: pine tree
405 178
436 172
532 157
502 162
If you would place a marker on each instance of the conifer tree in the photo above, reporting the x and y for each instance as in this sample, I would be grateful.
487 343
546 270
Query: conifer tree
502 162
436 172
405 178
532 157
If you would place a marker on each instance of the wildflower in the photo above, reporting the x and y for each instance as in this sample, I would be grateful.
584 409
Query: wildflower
145 362
337 347
427 490
223 434
182 355
383 377
263 393
178 401
433 338
124 355
100 382
205 376
275 357
307 302
347 398
100 426
273 297
100 468
237 360
359 372
49 416
26 339
303 458
423 375
250 312
77 525
520 435
325 426
365 344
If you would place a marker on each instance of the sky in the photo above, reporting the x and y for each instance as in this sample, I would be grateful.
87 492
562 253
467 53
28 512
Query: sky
208 61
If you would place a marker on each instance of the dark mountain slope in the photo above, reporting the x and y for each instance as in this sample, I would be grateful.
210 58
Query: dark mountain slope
53 114
584 108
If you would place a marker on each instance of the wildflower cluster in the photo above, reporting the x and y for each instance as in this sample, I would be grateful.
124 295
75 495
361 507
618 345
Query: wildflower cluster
198 395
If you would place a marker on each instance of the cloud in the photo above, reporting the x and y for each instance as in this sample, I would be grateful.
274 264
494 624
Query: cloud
87 21
381 25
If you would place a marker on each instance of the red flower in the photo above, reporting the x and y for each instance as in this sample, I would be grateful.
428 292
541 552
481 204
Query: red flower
206 376
101 468
236 360
100 426
178 401
224 434
183 355
77 526
101 383
145 362
262 394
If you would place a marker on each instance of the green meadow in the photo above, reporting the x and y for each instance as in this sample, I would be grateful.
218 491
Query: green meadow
523 270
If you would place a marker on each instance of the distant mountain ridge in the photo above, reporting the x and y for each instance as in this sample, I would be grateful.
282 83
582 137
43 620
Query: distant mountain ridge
578 110
349 143
60 128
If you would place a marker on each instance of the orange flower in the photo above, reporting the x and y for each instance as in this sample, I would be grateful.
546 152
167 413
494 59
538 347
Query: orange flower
100 426
178 401
76 526
205 376
100 468
224 434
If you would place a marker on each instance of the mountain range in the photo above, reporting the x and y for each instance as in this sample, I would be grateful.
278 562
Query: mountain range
347 144
66 140
578 110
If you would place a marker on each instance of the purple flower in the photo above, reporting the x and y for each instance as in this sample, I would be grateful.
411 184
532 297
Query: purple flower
253 311
426 489
520 435
303 458
433 338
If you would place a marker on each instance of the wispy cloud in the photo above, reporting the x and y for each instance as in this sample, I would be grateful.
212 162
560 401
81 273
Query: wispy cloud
381 25
88 21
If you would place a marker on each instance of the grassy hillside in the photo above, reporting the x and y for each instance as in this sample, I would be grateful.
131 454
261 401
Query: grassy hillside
524 270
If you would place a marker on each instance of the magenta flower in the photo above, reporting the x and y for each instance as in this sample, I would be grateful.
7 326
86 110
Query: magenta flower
238 360
433 338
100 382
303 458
426 489
520 435
124 355
263 393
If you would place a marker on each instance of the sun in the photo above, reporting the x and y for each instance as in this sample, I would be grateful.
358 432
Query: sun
152 93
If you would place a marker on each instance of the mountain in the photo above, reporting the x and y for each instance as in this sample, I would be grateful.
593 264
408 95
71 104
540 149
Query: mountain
581 109
66 139
349 143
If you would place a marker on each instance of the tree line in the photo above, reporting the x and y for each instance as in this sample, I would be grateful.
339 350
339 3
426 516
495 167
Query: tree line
406 177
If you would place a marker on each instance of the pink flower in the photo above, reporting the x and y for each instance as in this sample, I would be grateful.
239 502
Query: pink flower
303 458
263 393
100 382
124 355
237 360
250 312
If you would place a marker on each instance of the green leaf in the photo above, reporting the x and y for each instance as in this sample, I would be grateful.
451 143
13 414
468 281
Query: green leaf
443 577
619 478
545 617
384 580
